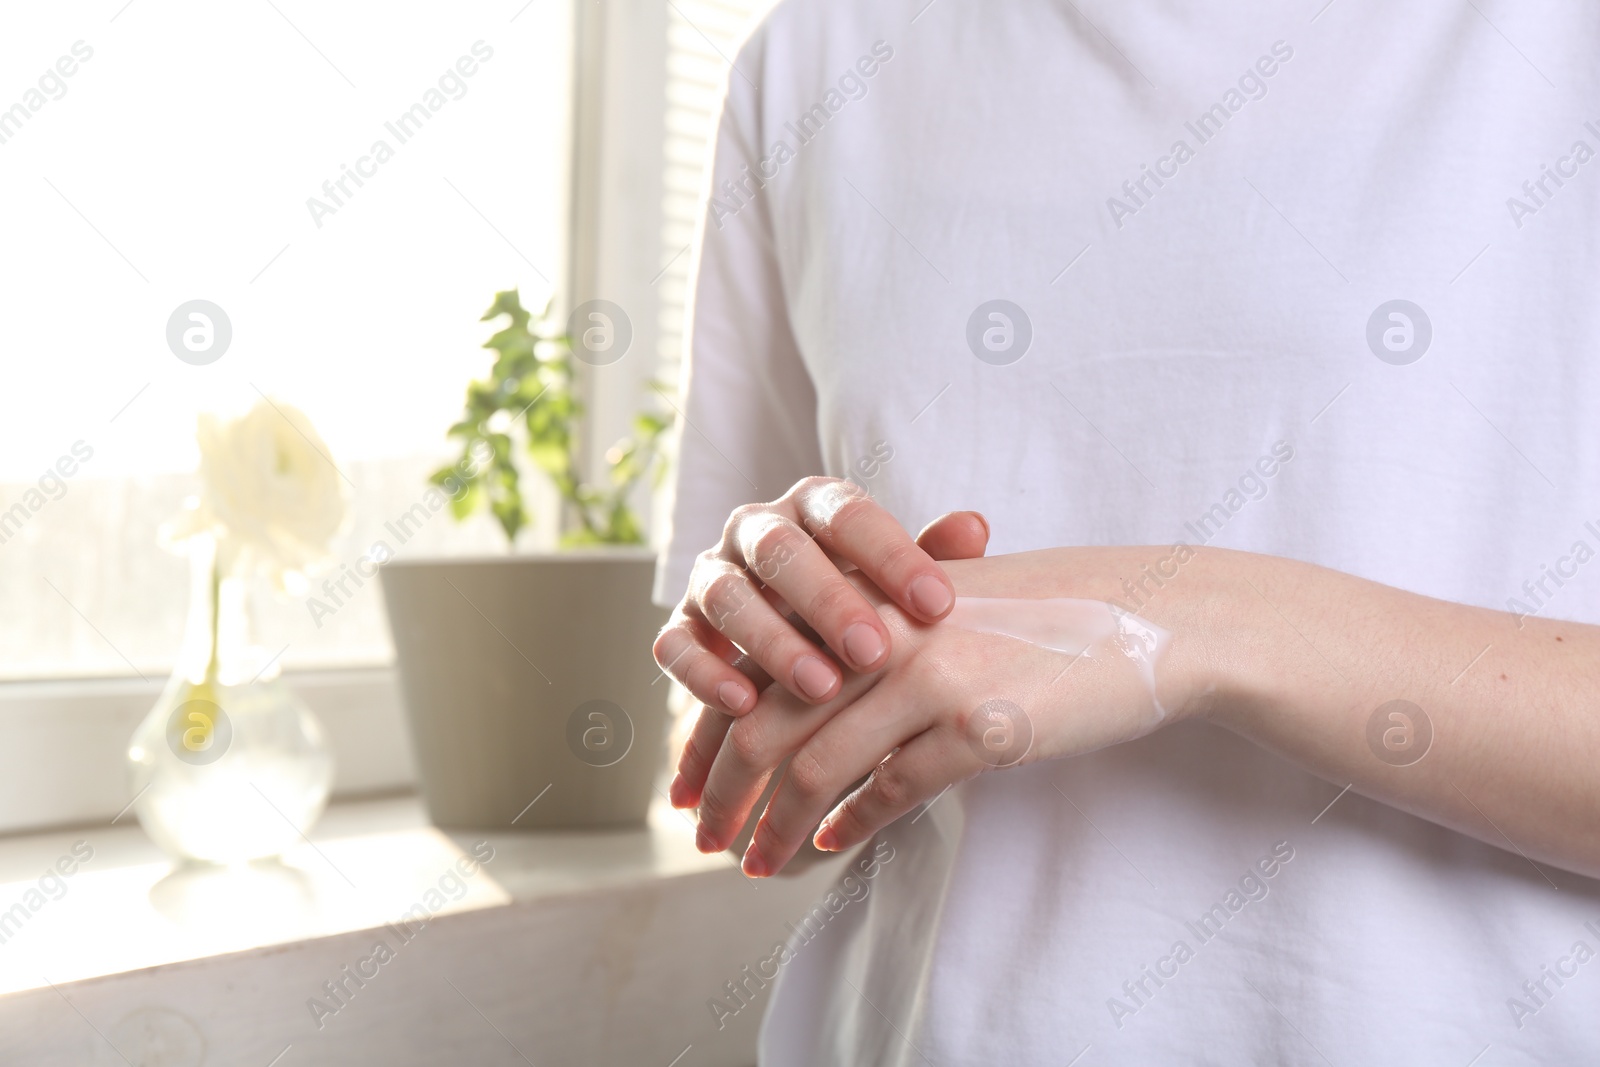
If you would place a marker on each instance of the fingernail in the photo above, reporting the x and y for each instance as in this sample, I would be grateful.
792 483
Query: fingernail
733 696
754 865
863 645
677 792
813 677
826 840
704 841
929 596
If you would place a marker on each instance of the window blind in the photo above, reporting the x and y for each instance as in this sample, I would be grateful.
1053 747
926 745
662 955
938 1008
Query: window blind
703 38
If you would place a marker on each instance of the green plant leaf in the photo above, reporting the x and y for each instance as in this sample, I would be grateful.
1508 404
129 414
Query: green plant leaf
530 400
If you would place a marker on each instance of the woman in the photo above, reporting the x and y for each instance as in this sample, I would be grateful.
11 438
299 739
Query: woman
1271 336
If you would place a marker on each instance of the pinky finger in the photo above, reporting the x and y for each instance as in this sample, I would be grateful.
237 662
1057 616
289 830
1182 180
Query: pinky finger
701 748
919 770
681 650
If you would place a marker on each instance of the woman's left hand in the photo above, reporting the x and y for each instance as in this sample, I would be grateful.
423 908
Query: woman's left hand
1309 663
950 704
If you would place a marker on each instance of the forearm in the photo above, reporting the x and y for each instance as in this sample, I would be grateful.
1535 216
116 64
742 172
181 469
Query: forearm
1299 659
1310 656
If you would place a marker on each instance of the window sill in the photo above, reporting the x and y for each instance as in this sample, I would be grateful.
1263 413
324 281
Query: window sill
572 947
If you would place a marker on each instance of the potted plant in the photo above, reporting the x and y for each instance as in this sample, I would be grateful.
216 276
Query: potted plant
527 679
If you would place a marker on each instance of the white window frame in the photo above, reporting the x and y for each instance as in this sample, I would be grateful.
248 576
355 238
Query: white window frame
64 757
615 204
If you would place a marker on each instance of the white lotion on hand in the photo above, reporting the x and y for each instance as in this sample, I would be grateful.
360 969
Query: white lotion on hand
1070 626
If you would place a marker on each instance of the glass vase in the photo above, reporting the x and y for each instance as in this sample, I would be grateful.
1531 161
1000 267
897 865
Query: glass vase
229 766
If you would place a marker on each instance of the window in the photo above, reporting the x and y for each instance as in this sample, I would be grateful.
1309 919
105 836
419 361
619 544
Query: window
231 153
155 154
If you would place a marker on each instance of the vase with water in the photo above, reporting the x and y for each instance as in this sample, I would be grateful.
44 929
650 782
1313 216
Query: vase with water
229 765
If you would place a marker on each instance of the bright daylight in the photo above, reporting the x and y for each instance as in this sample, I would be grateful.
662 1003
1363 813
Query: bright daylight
715 533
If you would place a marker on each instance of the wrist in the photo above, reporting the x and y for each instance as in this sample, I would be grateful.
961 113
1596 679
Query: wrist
1227 664
1201 598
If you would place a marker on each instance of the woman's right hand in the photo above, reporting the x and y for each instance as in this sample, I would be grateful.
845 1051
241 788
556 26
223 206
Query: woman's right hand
791 554
690 637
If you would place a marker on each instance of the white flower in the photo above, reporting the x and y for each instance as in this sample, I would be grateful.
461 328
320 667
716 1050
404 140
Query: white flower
269 490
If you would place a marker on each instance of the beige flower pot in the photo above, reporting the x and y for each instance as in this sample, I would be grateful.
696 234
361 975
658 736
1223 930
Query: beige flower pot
529 680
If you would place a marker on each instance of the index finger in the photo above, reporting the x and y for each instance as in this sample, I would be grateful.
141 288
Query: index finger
852 526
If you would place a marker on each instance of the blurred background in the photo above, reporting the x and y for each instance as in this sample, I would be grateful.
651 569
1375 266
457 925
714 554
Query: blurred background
178 163
154 154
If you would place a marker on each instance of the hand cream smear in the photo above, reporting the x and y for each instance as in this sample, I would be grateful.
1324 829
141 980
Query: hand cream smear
1070 626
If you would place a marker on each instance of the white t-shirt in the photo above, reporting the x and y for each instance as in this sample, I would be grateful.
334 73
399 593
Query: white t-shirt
1289 173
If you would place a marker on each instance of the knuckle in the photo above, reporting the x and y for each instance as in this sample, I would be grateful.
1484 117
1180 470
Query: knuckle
897 555
747 744
772 547
741 515
697 676
807 776
846 820
767 645
810 484
835 597
713 809
679 661
727 546
891 788
768 837
692 757
769 648
847 506
725 595
676 636
709 561
827 505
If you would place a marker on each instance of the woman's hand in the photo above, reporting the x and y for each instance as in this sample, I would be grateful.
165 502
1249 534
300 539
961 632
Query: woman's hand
1501 713
792 554
955 535
949 704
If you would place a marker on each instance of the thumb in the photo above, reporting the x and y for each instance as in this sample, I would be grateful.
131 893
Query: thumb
956 535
